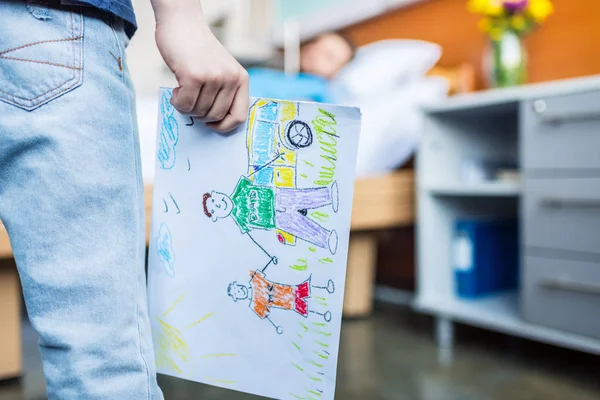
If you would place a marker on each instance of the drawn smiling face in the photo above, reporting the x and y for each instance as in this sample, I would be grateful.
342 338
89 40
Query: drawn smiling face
219 205
237 291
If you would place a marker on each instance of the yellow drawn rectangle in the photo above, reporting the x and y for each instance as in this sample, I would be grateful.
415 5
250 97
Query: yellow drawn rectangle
285 177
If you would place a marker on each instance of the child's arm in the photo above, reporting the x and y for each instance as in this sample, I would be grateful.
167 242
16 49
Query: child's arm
213 86
278 328
273 259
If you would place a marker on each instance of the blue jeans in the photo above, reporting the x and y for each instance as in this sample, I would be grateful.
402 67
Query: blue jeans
71 198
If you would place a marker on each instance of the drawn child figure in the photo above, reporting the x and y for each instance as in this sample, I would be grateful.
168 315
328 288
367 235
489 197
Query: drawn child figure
265 295
263 207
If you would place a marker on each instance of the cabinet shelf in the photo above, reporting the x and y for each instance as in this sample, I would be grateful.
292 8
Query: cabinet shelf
501 313
492 189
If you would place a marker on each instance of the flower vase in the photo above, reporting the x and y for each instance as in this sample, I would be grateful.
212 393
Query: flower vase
506 61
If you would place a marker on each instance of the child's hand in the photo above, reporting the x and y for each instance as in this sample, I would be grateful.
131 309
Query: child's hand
213 86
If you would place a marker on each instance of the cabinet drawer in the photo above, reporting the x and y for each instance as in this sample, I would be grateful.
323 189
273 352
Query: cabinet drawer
562 132
562 294
562 214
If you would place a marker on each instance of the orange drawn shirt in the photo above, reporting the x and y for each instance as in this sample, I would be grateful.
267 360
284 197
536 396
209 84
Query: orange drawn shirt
266 295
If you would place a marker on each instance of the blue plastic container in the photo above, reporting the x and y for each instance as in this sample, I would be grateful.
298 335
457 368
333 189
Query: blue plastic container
486 259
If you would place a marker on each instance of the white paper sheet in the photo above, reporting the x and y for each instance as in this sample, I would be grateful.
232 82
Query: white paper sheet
251 297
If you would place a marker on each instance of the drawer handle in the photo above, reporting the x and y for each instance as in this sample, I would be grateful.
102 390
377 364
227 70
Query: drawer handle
540 107
570 286
554 202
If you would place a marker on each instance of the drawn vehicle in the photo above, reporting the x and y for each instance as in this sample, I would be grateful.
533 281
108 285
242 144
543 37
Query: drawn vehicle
274 133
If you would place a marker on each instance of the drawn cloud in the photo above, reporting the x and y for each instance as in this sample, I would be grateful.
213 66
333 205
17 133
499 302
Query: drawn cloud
168 135
164 248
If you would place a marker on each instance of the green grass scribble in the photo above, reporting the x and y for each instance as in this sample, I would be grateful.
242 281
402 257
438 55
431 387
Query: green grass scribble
323 356
323 333
297 366
315 379
312 249
319 324
313 392
316 364
297 397
325 260
322 344
304 176
309 163
301 266
320 216
299 335
304 326
296 346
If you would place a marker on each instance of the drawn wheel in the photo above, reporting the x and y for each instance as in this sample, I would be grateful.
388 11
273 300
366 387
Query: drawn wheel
279 330
299 134
327 316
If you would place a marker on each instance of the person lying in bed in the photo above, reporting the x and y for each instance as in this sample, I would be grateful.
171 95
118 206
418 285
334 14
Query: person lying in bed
320 61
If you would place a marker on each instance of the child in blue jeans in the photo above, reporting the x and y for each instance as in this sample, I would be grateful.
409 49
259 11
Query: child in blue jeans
70 184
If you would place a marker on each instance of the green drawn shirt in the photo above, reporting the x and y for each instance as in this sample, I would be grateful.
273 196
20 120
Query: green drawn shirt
253 206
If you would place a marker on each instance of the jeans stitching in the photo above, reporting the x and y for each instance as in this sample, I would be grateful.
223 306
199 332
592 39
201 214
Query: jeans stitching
118 44
43 94
59 88
139 223
40 42
40 62
139 210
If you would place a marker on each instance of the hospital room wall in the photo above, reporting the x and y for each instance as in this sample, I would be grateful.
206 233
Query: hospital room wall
566 46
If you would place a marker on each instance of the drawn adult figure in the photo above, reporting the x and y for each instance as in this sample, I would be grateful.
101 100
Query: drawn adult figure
265 295
263 207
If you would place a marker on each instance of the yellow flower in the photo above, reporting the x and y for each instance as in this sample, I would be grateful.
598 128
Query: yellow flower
495 8
519 23
539 10
492 8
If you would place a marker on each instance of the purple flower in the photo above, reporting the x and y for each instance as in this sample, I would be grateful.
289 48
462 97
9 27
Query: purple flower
515 6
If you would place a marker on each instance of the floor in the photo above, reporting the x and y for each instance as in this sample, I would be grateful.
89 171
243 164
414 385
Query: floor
392 356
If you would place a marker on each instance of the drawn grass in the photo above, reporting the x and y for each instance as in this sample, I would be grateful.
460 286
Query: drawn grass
304 326
309 163
319 324
297 366
299 335
315 379
316 364
296 397
302 265
320 216
312 249
304 176
319 332
314 393
324 357
296 346
322 344
325 260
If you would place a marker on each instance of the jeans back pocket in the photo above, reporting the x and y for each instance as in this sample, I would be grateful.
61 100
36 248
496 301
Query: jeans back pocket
41 52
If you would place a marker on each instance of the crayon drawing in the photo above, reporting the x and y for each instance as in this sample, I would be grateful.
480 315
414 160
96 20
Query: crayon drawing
253 227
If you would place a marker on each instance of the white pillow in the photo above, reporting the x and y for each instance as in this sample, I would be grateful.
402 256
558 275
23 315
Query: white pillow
393 123
388 62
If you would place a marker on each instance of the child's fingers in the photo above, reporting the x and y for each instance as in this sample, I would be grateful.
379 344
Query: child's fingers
238 113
